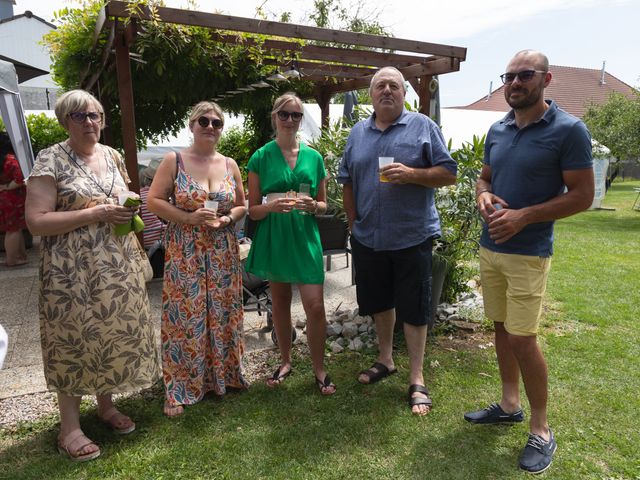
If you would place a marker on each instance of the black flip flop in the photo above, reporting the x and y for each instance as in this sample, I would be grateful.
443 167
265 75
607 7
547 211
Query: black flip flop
326 384
381 371
278 377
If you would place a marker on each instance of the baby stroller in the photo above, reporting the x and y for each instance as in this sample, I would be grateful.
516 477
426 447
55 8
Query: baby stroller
256 296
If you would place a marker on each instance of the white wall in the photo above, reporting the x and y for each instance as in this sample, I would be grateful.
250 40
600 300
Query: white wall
20 40
461 125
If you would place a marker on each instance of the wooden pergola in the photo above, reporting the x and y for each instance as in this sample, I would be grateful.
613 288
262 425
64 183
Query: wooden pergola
332 69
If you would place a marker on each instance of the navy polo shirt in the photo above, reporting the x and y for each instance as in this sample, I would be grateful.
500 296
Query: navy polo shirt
526 169
392 216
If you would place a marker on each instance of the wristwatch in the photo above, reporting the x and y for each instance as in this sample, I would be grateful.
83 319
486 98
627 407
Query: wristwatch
231 221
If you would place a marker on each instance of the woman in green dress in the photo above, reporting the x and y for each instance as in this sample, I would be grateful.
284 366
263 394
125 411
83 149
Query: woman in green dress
286 246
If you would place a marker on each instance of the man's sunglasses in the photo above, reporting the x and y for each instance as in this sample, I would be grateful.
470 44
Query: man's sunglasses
215 122
524 76
80 117
284 115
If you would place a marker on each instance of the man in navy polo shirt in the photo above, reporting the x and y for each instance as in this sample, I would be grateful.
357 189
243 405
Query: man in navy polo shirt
537 168
393 219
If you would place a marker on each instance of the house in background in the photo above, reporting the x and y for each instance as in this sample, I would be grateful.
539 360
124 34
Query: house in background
573 89
20 37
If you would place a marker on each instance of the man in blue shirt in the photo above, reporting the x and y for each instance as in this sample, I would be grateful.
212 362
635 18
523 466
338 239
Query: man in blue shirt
393 220
537 168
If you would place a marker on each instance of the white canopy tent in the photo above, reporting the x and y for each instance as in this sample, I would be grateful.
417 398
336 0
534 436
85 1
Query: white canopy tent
13 116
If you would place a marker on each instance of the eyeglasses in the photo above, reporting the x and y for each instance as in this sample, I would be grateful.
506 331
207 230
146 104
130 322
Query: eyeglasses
80 117
284 115
524 76
215 122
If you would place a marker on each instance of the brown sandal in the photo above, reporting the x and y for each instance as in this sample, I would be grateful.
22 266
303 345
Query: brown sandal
118 421
73 444
172 410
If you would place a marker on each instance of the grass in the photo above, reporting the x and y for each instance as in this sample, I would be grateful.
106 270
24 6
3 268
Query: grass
590 338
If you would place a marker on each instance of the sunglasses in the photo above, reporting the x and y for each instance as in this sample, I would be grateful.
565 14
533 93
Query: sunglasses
284 115
80 117
524 76
215 122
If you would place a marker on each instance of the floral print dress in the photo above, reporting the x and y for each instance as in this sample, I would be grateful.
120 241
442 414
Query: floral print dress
95 322
202 316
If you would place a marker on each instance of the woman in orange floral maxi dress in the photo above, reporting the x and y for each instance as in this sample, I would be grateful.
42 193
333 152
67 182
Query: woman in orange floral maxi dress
202 342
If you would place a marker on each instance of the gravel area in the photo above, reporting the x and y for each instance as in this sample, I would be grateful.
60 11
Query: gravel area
38 405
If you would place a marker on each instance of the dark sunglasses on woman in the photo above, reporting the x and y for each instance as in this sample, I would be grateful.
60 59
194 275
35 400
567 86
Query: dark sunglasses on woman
80 117
215 122
284 115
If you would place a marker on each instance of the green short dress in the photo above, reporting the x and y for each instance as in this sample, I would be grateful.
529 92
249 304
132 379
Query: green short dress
286 246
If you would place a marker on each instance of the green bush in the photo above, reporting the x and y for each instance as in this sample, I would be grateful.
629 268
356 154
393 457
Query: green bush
331 144
237 143
460 221
43 131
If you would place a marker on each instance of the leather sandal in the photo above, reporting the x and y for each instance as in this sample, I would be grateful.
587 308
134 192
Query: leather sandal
118 421
376 372
73 444
419 400
172 410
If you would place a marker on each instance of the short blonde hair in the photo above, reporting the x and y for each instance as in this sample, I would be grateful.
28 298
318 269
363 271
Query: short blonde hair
279 104
74 101
200 108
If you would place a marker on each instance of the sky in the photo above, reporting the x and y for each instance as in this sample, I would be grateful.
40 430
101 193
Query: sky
575 33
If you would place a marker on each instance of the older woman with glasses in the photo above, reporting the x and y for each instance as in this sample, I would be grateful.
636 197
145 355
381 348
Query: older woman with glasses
286 246
95 326
199 192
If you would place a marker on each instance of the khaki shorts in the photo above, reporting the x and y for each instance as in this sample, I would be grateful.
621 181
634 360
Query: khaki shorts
513 287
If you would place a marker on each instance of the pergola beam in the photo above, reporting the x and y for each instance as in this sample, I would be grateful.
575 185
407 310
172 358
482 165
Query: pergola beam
280 29
314 68
334 54
436 67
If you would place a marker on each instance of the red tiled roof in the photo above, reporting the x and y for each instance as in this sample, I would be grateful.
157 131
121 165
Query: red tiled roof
573 89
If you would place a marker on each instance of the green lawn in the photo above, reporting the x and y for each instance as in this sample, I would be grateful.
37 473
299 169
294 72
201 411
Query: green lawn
590 338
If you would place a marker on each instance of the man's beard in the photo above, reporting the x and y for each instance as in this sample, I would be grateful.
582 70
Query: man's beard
525 100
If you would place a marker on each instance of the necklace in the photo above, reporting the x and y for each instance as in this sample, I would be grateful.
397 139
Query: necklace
91 177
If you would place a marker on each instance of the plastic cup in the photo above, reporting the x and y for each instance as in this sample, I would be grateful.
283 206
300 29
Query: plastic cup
304 190
211 205
382 161
123 196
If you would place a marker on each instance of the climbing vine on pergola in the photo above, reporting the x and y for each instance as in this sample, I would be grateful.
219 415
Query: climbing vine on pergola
148 64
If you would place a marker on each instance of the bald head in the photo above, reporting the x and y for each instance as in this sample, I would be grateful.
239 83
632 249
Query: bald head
538 59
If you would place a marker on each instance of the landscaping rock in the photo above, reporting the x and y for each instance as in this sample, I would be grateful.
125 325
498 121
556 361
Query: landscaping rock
349 330
334 329
464 325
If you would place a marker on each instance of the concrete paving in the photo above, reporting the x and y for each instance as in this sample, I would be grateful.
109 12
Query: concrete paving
22 372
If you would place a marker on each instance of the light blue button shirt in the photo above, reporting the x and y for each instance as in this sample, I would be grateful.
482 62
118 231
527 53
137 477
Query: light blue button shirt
392 216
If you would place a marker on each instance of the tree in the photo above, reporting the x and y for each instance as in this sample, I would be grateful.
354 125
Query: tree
616 124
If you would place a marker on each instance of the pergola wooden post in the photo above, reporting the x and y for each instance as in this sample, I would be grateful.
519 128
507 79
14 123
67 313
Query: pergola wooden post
323 100
424 94
125 92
